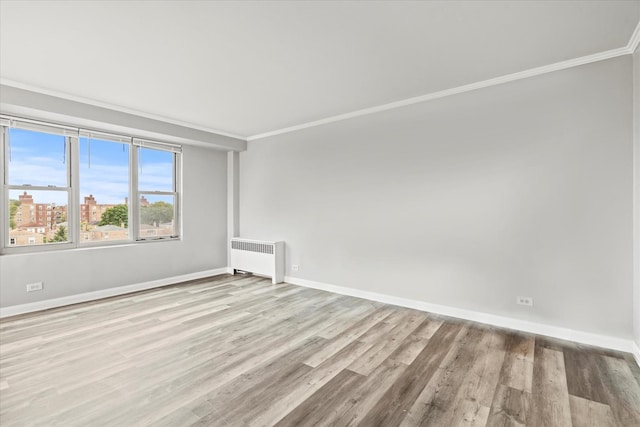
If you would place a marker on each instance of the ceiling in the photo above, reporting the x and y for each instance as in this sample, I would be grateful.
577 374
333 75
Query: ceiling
249 68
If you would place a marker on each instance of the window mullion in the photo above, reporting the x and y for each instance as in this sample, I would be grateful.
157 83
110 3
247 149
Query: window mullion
4 198
73 169
177 187
3 154
28 187
134 204
159 193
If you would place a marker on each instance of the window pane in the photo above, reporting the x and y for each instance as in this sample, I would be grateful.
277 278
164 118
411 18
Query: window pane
36 158
104 190
157 216
155 171
37 217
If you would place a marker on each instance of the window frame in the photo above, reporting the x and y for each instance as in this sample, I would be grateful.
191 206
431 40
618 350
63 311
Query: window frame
116 139
36 126
138 192
72 160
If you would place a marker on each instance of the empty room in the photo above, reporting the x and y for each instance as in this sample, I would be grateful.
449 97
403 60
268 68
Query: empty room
320 213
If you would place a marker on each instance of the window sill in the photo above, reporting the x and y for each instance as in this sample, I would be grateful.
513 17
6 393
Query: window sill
39 250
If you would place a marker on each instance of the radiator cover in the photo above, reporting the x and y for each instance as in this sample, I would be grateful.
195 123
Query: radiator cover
259 257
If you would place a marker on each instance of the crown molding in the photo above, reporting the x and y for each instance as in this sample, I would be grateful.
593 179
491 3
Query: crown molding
630 48
601 56
119 108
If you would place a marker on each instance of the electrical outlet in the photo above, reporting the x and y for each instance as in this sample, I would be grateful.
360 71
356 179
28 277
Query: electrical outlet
525 301
295 267
34 287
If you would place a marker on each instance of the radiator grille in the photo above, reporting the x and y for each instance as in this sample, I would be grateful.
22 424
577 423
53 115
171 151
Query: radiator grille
263 248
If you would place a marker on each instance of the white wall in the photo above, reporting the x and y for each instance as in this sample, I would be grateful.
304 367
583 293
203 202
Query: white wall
468 201
202 248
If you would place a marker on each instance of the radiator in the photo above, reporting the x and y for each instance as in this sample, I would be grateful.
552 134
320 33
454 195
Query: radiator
264 258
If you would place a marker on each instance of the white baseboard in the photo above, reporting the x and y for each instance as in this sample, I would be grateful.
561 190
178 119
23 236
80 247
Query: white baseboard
613 343
105 293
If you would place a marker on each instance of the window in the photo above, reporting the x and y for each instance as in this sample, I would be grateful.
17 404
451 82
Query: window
157 192
66 187
104 187
37 179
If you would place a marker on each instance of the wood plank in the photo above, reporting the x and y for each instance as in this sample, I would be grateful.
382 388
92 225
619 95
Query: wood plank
383 348
346 337
549 397
583 377
621 389
470 413
517 370
321 405
481 380
587 413
510 407
251 388
438 401
315 379
411 347
362 400
393 406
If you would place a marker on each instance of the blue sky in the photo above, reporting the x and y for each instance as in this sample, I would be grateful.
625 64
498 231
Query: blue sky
38 159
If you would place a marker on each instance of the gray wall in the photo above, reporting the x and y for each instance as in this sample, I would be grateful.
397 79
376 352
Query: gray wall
202 248
468 201
636 122
25 103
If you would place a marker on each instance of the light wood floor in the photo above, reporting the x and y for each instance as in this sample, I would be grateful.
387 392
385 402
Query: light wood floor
239 351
